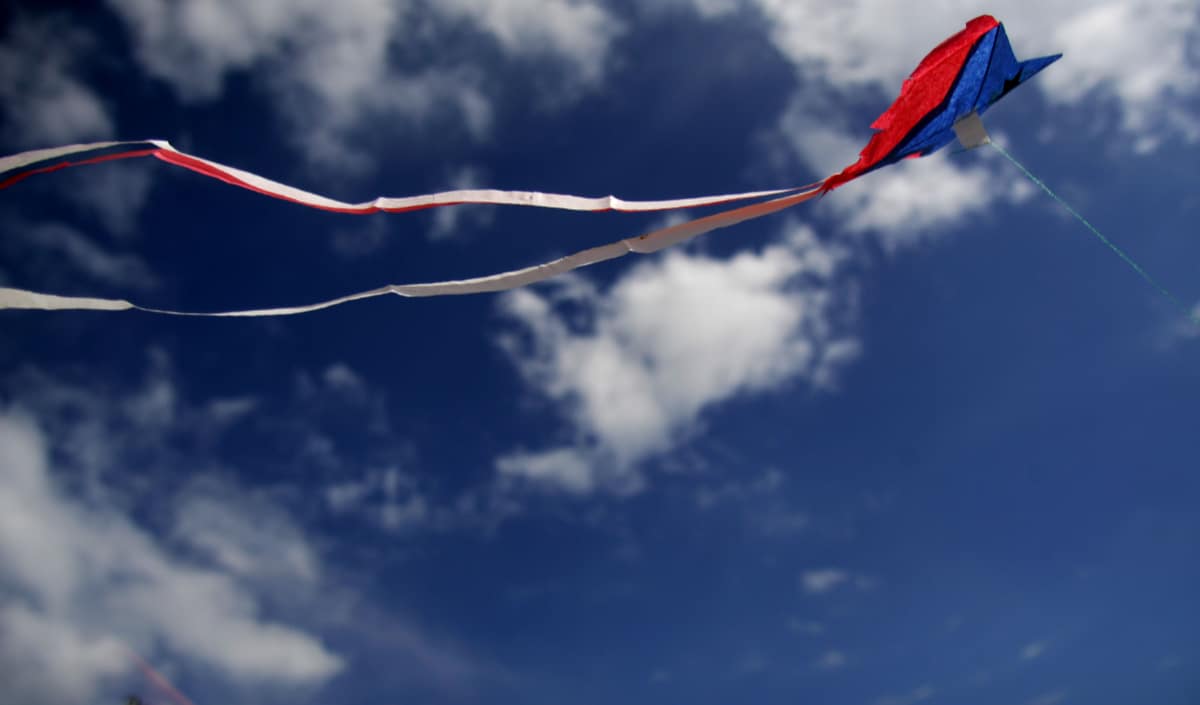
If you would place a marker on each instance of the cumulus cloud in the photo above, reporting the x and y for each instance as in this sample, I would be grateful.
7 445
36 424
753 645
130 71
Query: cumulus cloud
60 256
1139 54
43 100
579 31
325 64
332 68
84 582
106 544
820 582
635 366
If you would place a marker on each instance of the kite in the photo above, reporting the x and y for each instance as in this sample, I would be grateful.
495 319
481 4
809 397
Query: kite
939 103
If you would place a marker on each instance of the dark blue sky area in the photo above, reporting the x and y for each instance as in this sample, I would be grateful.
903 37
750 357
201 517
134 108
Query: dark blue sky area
925 440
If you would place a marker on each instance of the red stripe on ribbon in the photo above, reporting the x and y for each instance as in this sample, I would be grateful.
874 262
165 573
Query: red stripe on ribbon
68 163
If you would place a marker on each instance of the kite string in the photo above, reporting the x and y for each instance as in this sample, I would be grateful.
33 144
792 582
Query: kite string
1193 316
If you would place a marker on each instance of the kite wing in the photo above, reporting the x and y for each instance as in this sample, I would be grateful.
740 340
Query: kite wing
943 98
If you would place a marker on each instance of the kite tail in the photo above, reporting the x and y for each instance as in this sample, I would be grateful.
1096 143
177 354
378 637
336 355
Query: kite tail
1194 317
643 244
159 681
18 167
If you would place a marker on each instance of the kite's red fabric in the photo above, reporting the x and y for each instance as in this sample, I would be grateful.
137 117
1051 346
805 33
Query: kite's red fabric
920 95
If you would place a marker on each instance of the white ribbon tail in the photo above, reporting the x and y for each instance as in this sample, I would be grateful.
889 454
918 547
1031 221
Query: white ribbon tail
649 242
259 184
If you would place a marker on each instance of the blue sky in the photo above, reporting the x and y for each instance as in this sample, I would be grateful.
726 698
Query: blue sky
922 441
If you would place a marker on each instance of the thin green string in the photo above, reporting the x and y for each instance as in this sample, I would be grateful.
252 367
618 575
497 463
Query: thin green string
1194 317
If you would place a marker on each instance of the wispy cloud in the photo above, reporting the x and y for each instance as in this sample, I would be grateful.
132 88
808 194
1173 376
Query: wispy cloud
332 69
60 255
1056 697
451 222
1033 650
213 575
96 580
918 695
115 193
43 99
807 627
823 581
831 660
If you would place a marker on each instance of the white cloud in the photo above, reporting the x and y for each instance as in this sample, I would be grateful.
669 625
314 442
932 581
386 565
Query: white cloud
194 583
58 255
223 412
806 627
325 64
759 501
42 99
115 192
636 366
906 202
45 661
1052 698
391 499
825 580
918 695
244 535
1032 650
831 660
449 222
342 377
580 31
766 484
331 68
86 581
565 469
1138 53
194 45
362 239
1189 327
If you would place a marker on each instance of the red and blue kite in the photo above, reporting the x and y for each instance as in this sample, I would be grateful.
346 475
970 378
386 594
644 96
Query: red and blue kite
959 80
940 102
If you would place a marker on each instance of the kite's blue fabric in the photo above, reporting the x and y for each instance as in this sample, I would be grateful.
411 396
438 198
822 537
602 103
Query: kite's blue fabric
937 130
989 72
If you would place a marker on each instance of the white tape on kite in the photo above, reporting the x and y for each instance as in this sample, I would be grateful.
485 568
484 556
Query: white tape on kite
259 184
647 243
